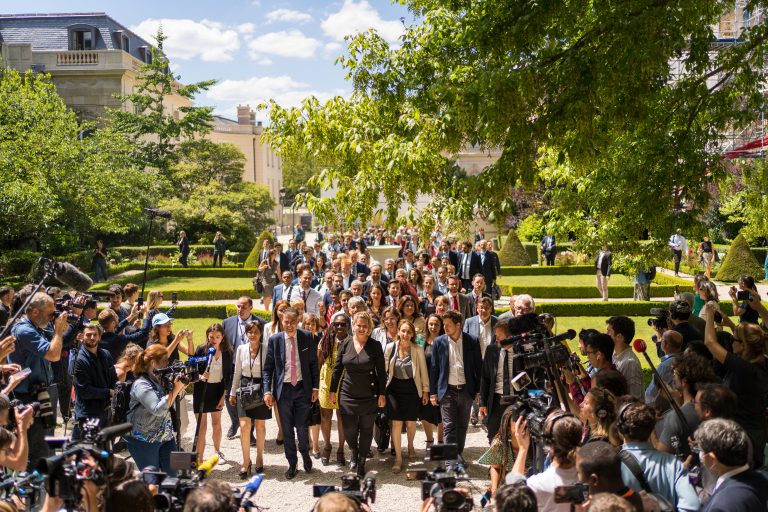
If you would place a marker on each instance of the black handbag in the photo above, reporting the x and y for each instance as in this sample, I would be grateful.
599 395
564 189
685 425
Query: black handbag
258 283
251 396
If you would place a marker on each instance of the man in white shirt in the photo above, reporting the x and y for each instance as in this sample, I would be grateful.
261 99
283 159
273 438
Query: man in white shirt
311 297
621 329
678 245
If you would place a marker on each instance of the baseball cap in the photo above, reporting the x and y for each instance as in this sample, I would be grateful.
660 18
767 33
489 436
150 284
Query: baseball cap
160 319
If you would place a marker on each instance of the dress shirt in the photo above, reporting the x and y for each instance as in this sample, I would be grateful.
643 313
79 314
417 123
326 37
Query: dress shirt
455 304
486 334
311 297
600 260
729 474
216 370
629 366
347 280
505 355
467 259
456 362
665 474
287 373
443 287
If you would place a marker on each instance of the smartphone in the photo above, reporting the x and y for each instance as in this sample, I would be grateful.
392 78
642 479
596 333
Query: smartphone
576 494
718 317
140 301
25 371
743 295
174 297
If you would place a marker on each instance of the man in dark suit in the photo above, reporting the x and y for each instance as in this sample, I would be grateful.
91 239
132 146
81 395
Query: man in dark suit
234 329
487 264
478 291
266 246
286 278
468 265
376 278
291 377
495 379
282 258
454 379
725 448
548 248
6 300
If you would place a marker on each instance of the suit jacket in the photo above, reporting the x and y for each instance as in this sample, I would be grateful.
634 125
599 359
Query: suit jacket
438 375
488 376
605 265
274 363
473 301
496 261
420 373
277 293
464 305
360 269
453 257
285 262
261 256
488 268
474 264
384 282
744 492
472 327
231 329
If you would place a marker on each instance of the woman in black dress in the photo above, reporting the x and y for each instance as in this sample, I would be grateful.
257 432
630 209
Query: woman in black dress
208 394
430 414
361 364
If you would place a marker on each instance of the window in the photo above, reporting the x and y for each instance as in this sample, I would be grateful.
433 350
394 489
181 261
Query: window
82 39
125 45
146 54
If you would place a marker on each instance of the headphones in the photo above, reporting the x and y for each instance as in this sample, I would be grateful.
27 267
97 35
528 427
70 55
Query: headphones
601 411
620 425
549 426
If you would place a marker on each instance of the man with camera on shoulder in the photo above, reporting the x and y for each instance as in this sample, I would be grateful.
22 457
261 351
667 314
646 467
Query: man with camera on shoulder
95 380
36 348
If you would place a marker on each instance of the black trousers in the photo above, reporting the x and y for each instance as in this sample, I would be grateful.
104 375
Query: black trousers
183 260
549 257
455 408
494 418
220 257
358 432
294 407
63 381
678 255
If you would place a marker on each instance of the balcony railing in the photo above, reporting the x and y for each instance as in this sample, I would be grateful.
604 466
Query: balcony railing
79 58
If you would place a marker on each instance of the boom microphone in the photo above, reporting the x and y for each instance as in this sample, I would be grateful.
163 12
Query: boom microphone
156 212
67 274
250 489
567 335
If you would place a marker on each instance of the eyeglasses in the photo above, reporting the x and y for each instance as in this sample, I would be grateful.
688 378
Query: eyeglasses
340 325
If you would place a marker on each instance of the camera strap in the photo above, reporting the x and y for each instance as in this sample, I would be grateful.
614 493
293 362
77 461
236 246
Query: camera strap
633 466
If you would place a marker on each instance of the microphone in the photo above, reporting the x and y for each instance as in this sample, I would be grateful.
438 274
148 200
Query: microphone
211 352
197 360
114 431
640 346
250 489
567 335
206 467
156 212
67 274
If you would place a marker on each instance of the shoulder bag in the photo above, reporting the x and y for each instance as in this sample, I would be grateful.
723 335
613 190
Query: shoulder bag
631 463
251 396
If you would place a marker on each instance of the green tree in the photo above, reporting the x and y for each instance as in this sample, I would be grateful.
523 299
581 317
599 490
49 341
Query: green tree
145 117
60 189
240 211
738 262
200 161
615 109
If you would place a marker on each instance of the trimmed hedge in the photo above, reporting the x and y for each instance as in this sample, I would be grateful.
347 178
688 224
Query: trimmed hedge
252 261
17 263
597 308
739 261
587 292
512 252
562 270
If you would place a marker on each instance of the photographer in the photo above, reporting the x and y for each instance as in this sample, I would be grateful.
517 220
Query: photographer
35 348
662 473
151 440
678 320
743 309
599 350
15 457
112 340
95 379
599 466
562 434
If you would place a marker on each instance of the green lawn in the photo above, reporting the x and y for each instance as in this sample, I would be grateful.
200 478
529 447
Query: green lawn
573 280
169 284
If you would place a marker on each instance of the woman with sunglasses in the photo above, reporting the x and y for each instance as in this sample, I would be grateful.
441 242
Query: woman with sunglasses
327 353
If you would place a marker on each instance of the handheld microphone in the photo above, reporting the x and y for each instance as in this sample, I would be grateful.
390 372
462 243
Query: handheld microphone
156 212
198 360
206 467
211 352
250 490
640 346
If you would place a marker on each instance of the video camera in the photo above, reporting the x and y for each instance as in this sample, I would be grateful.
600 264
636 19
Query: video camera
534 350
440 483
661 321
173 491
362 491
186 371
533 408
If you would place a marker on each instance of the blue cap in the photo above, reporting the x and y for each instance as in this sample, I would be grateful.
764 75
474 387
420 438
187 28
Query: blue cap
160 319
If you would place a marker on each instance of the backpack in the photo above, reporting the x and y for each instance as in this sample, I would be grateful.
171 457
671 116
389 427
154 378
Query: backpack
120 404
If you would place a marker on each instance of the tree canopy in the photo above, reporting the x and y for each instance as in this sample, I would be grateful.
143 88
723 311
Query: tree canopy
615 109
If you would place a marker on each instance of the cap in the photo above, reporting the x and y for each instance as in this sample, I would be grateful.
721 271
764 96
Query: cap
160 319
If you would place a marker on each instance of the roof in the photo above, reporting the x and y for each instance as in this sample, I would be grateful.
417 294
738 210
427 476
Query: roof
49 31
223 120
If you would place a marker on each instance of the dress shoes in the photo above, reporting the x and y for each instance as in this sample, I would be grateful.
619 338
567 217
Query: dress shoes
291 472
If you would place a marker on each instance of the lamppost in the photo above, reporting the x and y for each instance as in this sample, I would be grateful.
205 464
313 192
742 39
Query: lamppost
282 206
302 190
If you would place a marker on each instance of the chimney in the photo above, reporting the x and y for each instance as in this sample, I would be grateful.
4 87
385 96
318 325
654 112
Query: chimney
245 115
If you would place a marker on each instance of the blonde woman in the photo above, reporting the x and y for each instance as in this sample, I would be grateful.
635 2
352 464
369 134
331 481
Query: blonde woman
154 301
407 387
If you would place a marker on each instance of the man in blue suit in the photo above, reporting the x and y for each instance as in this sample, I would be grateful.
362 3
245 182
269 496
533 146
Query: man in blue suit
286 278
454 379
725 448
291 377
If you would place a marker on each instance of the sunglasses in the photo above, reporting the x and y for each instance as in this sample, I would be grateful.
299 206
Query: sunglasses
340 325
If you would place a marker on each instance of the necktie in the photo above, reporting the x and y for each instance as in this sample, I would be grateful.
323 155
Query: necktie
304 295
455 303
505 374
294 379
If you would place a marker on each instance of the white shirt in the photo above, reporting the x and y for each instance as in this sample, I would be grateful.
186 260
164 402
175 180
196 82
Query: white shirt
242 337
245 366
465 265
543 486
729 474
486 334
500 369
311 297
216 370
287 368
456 362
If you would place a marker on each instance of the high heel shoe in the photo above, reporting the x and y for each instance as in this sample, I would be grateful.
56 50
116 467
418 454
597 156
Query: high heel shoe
245 474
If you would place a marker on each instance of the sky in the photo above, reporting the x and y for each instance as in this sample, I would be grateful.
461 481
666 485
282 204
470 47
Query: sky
255 49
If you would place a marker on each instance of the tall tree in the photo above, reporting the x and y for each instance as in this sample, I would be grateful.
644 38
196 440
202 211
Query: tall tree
615 108
146 115
200 161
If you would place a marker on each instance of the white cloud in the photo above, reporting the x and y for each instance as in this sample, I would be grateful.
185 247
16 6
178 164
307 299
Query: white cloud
287 91
359 16
291 43
246 28
332 49
288 15
187 39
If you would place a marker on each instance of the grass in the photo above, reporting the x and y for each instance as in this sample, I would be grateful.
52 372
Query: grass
170 284
569 280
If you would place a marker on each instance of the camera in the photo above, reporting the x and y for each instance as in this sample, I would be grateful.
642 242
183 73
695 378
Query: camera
16 404
440 484
743 295
45 412
533 408
351 485
575 494
186 371
661 321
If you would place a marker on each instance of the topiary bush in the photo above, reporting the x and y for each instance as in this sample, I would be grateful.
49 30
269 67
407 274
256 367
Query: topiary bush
252 261
739 261
512 253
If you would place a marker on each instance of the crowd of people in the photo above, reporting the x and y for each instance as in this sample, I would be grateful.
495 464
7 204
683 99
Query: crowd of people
387 346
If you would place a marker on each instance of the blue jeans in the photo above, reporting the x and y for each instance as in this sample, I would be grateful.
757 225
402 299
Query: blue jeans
100 269
152 454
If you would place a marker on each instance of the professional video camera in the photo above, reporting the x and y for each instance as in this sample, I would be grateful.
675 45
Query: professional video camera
533 408
173 491
90 459
439 485
535 350
661 321
26 486
361 491
186 371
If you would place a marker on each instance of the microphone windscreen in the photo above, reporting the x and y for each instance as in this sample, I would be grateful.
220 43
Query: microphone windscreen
163 213
209 464
73 277
639 345
254 484
211 351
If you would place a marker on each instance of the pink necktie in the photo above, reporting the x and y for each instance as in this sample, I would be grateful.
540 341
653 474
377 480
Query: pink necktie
293 360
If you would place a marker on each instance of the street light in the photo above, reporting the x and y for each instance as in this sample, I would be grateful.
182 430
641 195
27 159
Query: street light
282 206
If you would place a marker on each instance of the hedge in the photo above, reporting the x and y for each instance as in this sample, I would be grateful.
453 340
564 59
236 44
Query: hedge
555 270
587 292
597 308
739 261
